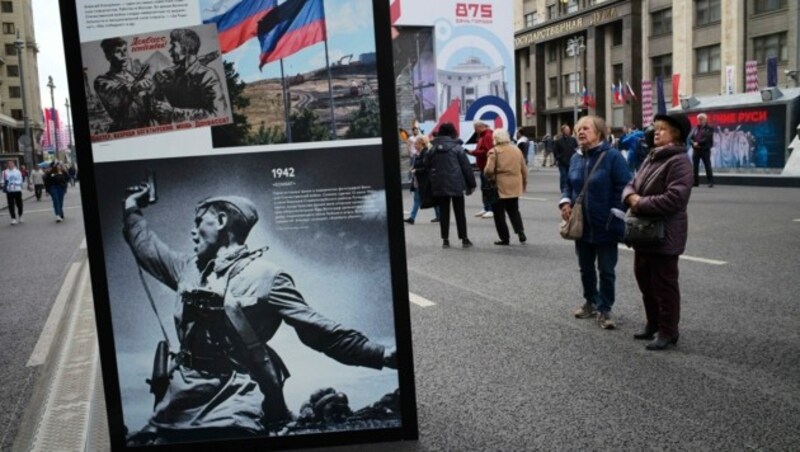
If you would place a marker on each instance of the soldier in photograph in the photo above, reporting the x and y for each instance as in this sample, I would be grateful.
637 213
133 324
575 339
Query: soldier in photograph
189 90
122 93
225 381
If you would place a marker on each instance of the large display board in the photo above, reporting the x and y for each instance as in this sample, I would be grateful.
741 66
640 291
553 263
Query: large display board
243 209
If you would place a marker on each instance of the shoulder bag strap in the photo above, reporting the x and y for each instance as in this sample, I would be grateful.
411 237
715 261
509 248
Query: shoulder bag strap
586 182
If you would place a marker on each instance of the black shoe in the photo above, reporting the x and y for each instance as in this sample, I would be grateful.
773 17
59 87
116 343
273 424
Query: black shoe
445 243
522 237
435 220
696 184
465 243
661 342
501 242
711 185
646 334
409 220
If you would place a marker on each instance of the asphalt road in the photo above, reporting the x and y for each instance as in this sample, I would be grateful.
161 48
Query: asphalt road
500 362
35 257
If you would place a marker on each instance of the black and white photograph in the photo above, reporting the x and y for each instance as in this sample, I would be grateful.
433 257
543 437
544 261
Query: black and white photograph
156 82
250 295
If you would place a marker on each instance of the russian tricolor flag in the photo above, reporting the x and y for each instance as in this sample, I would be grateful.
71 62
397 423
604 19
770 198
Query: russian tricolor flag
290 27
239 24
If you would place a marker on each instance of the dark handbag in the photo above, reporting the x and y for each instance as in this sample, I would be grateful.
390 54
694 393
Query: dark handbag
489 190
644 230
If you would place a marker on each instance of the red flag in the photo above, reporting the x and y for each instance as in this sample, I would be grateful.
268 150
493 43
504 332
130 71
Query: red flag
450 115
676 84
394 12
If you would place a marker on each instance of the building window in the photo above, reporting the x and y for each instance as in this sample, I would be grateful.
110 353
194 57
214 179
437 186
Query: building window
771 46
14 92
706 12
12 70
527 55
551 12
11 50
7 7
571 82
16 114
707 59
661 22
662 65
765 6
530 20
571 6
8 28
552 52
617 71
616 34
553 82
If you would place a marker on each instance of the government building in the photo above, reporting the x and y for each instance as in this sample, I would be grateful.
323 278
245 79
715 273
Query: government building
569 53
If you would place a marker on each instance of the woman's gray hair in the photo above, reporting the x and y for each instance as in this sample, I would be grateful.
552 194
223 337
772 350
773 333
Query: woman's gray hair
598 123
501 137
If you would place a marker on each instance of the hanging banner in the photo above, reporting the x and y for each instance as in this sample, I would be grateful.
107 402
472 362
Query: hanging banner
250 289
730 79
454 62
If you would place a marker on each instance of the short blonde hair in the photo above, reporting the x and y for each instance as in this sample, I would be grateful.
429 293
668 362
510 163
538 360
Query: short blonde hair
702 116
501 137
426 142
597 123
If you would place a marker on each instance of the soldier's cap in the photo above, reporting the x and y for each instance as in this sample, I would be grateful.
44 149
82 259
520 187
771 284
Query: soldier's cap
245 207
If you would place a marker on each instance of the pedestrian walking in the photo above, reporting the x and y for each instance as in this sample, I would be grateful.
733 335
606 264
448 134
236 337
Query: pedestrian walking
563 151
450 177
597 249
12 186
702 139
56 183
73 175
485 142
422 146
37 181
662 188
506 168
524 144
549 145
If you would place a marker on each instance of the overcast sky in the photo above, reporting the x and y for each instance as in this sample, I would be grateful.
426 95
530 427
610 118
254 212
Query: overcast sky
47 24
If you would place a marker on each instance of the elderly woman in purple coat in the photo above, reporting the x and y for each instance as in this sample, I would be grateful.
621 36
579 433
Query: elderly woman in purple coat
669 178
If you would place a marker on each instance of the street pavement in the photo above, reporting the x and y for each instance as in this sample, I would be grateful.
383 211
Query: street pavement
35 260
501 364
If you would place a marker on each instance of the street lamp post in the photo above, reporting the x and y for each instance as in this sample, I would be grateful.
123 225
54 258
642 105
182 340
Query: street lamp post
574 48
20 45
52 86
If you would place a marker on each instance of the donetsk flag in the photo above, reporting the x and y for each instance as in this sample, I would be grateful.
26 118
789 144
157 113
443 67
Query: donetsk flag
239 24
289 28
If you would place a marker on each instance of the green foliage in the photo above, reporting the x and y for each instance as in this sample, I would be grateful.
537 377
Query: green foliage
367 121
306 127
237 133
267 135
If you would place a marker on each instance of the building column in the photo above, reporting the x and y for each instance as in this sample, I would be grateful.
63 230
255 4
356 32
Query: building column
682 42
596 68
632 72
732 52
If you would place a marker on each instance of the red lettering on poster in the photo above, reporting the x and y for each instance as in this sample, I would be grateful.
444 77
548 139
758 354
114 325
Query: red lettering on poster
474 10
734 117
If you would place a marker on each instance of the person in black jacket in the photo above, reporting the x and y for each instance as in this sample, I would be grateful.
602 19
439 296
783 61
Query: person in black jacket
450 176
56 183
565 147
702 140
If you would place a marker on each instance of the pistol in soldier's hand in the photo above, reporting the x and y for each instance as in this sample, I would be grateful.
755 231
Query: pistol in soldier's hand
137 196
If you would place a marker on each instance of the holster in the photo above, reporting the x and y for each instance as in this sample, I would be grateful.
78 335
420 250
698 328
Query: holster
159 380
266 368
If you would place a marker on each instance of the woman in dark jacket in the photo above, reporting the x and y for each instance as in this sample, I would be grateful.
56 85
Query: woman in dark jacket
422 145
597 248
662 188
56 182
450 176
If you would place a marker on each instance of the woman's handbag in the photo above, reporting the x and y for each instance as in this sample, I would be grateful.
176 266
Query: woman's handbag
572 229
490 193
643 230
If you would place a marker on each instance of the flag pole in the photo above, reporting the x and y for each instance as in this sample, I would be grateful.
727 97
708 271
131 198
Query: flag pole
286 107
330 90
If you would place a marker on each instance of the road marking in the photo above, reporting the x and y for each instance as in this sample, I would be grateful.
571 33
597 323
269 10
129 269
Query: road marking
531 198
420 301
797 220
83 244
45 341
702 260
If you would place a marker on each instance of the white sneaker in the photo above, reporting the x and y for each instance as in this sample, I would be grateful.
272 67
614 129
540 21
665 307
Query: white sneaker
488 215
58 219
13 222
21 220
481 213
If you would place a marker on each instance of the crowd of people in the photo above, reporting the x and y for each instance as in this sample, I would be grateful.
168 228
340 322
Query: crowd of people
52 179
611 181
